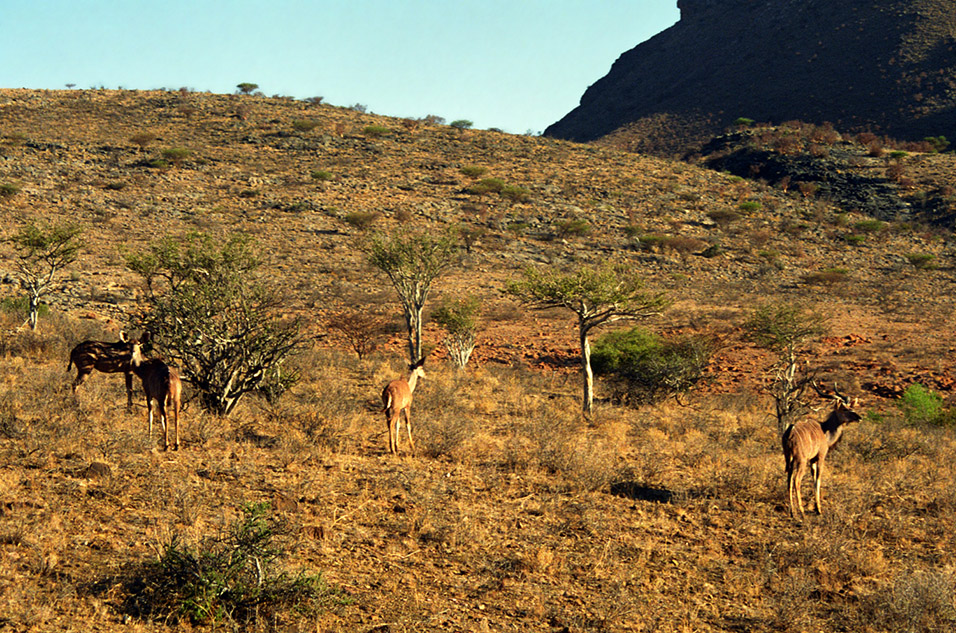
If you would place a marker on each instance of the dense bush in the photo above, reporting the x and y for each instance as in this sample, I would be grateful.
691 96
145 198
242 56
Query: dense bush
920 405
646 367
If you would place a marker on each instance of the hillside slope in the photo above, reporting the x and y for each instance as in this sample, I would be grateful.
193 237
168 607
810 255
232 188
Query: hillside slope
887 66
514 514
307 180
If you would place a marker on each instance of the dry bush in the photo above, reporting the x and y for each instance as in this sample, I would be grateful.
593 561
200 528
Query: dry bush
449 424
918 601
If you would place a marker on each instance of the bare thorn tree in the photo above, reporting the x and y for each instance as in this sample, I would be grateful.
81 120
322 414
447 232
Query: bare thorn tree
597 295
785 329
361 329
41 253
412 260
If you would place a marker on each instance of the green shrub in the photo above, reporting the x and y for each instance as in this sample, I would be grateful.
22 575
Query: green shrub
920 405
514 193
304 125
473 171
175 154
487 185
375 131
230 578
939 143
854 239
743 122
461 124
321 175
633 231
572 227
827 276
247 87
7 190
922 261
749 206
869 226
723 217
646 367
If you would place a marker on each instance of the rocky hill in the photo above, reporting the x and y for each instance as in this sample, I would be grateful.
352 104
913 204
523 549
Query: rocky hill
512 514
887 66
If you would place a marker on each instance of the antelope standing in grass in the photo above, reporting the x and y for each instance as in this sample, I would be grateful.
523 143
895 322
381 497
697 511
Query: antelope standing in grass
109 358
162 386
397 400
807 443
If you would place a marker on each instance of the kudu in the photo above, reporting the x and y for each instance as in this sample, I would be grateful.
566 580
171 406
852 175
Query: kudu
162 386
109 358
807 443
397 400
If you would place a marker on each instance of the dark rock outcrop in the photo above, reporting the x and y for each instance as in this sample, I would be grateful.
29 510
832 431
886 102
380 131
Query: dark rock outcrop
887 66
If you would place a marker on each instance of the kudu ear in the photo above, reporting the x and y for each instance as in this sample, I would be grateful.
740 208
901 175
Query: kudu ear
146 337
123 338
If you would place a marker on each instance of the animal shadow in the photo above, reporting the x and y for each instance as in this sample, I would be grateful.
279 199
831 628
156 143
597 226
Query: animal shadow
639 492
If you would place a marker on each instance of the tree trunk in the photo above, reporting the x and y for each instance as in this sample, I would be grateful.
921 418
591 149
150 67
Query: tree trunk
413 319
34 310
588 403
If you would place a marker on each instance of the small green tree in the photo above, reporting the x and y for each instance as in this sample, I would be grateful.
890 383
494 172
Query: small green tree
214 319
597 295
412 260
247 87
42 251
784 329
459 317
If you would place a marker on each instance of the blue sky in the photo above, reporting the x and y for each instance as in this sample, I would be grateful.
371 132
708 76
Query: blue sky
518 65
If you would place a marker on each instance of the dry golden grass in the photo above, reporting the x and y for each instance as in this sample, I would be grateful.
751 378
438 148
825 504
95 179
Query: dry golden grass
515 514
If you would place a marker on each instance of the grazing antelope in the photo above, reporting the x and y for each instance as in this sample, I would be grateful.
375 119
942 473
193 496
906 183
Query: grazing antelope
397 398
109 358
162 386
807 443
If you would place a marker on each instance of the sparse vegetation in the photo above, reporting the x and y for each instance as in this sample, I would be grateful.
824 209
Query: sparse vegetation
513 514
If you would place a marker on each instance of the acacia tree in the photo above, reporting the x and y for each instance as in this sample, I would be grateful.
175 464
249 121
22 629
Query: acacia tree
215 320
784 329
459 317
412 260
597 295
41 253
